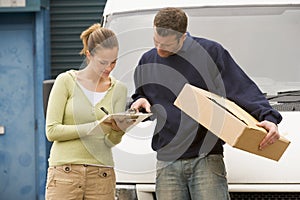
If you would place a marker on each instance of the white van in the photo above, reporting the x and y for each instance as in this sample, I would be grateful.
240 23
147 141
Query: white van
264 38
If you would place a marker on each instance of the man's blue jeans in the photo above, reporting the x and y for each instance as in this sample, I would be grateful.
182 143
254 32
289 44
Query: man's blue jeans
200 178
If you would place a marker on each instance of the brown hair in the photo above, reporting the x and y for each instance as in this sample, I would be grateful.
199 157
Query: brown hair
97 37
170 21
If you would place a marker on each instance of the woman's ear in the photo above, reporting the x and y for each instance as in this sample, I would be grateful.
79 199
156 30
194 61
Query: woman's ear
88 54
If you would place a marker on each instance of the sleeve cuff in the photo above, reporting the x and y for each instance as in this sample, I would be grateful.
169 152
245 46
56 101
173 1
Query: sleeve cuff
113 138
273 119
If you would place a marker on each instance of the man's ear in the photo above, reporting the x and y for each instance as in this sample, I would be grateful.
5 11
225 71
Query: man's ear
183 37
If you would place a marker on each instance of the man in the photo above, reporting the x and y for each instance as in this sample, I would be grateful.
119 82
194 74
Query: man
190 158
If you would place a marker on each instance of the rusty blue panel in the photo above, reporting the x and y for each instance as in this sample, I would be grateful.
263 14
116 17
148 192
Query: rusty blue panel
17 144
30 6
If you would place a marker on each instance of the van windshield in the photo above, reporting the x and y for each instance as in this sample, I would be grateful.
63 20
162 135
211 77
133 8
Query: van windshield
263 40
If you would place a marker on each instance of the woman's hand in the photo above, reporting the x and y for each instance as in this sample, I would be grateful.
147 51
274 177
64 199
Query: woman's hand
120 125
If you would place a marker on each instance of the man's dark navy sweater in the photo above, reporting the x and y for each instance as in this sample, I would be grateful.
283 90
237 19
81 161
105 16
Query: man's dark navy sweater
204 64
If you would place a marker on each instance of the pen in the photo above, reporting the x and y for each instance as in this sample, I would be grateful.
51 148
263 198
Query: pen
104 110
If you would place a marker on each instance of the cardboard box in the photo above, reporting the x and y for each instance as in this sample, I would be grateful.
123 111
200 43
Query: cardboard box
228 121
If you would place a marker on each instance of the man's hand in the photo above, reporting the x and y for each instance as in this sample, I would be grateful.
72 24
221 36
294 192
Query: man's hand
141 103
272 135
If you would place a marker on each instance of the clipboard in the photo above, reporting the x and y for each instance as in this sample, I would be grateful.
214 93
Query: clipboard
132 119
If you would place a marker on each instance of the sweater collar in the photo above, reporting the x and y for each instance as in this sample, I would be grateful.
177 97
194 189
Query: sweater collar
187 43
113 80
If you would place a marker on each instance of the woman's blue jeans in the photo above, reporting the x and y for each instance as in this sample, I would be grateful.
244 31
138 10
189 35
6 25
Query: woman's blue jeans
200 178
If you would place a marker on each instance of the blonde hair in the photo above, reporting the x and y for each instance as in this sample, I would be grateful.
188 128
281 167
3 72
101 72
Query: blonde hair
96 37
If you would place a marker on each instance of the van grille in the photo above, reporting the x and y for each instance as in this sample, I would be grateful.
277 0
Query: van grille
287 106
125 192
265 195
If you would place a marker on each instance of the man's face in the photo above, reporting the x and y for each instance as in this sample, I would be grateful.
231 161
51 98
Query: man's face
167 45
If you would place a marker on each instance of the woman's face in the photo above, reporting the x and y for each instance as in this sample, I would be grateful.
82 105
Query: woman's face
103 61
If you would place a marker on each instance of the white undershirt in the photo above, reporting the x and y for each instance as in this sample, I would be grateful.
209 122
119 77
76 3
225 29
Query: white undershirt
94 97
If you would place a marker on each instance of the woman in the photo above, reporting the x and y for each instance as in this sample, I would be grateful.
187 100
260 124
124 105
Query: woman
80 162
